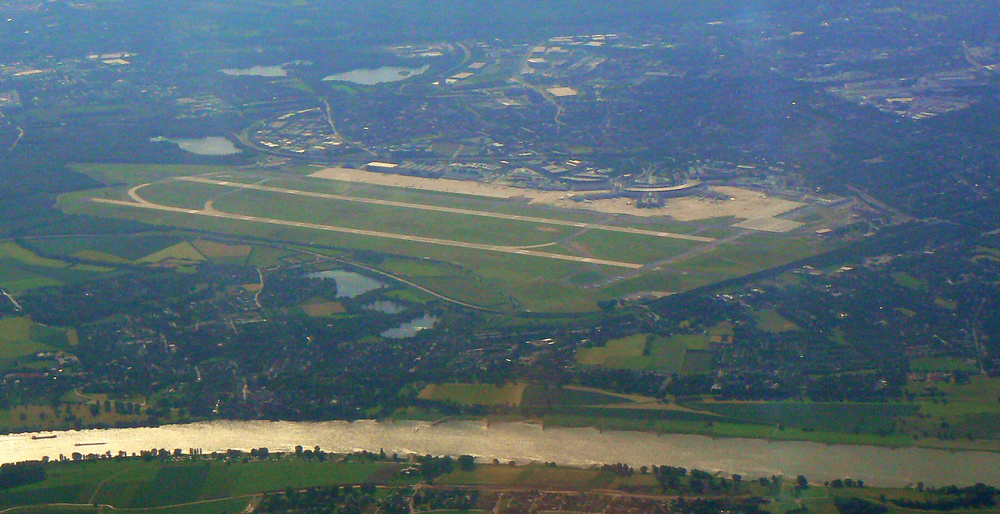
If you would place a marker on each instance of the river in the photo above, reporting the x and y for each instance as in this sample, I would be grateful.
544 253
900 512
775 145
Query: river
523 442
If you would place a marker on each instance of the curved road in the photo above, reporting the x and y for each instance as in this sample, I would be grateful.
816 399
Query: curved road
209 210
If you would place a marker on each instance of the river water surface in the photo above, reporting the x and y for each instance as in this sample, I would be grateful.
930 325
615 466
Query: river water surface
526 442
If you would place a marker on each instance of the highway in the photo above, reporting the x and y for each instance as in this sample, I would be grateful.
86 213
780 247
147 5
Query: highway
452 210
210 211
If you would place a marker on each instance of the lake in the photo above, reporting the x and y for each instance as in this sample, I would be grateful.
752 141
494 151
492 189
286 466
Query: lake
381 75
411 328
523 442
202 146
349 284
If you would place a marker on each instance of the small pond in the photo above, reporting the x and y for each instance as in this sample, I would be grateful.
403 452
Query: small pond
385 306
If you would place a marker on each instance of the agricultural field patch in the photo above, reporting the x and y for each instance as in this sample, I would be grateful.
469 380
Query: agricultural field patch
585 397
127 248
216 250
17 277
21 336
861 418
617 353
94 255
675 354
322 308
267 256
13 251
182 252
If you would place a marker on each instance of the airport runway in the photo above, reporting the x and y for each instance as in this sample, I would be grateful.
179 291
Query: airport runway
453 210
210 211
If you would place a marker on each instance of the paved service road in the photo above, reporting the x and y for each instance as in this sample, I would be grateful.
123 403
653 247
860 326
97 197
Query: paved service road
138 201
453 210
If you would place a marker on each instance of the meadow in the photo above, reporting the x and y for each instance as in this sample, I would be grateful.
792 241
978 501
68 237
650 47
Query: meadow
184 485
20 337
674 354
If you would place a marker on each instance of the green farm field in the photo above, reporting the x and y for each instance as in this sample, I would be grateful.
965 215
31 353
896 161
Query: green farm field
21 336
676 354
527 257
22 269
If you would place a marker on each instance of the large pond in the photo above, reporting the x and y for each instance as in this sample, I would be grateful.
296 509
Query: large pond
411 328
371 77
526 442
257 71
349 284
202 146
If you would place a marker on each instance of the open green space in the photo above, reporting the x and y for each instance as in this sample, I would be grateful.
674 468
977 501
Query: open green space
674 354
851 418
475 394
129 247
942 364
21 269
714 427
630 247
135 174
183 251
460 201
617 353
383 218
13 251
139 484
770 321
21 336
189 195
749 254
909 281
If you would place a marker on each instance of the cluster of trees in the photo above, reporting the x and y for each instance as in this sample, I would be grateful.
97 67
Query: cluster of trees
21 473
432 467
972 497
619 469
678 479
